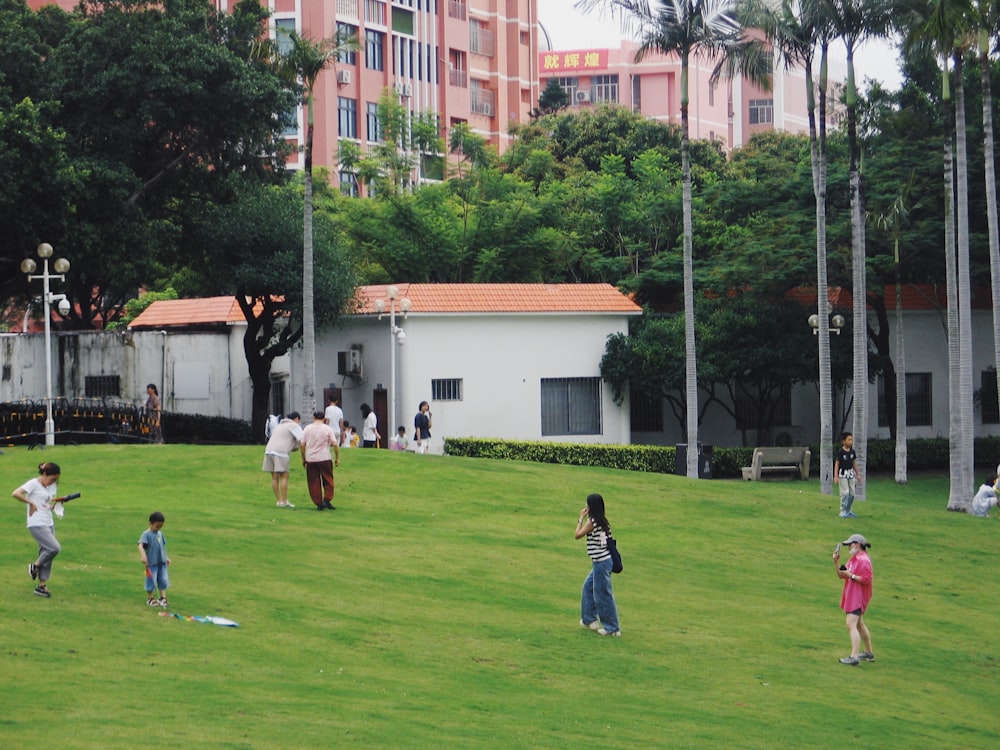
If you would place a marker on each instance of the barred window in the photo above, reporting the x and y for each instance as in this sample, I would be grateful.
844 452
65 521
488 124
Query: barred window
446 389
646 412
919 404
761 111
571 406
988 397
605 88
100 386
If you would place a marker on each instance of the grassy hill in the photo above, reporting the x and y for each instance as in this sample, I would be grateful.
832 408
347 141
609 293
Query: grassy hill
438 608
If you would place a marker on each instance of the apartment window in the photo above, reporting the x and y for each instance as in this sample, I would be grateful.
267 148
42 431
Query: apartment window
605 88
761 111
375 12
919 405
100 386
347 31
349 185
456 9
482 100
347 117
345 9
374 50
283 30
446 389
525 38
569 84
457 70
636 93
373 131
571 406
482 41
988 397
646 412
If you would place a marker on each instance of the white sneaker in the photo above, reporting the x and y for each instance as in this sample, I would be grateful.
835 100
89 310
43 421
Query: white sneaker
616 634
595 625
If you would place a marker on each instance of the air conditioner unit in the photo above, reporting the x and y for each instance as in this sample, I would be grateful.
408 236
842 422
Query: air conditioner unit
486 109
404 88
349 362
582 97
343 76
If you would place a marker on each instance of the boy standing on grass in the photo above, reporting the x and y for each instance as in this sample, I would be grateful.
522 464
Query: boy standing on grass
153 553
846 469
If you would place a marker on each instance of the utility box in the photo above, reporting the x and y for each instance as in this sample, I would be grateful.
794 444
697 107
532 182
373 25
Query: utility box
349 362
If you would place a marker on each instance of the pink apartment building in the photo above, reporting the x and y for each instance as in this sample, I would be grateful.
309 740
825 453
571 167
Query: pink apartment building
469 61
728 112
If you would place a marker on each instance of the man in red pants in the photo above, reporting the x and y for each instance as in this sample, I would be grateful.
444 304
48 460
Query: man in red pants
315 448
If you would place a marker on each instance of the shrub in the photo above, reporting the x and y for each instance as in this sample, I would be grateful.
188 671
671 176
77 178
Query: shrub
197 428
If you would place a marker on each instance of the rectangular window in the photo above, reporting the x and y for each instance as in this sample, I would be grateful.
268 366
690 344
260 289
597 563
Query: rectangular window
711 94
569 84
605 88
482 100
919 404
349 184
646 412
402 21
100 386
283 30
374 50
347 31
347 117
988 397
636 93
571 406
373 131
747 409
456 9
761 111
446 389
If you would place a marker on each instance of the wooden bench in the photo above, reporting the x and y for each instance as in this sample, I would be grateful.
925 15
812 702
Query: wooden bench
778 460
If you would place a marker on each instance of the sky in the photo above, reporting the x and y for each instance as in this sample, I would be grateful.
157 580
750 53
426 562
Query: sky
571 29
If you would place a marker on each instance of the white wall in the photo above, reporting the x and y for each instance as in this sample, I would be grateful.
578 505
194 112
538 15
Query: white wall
501 360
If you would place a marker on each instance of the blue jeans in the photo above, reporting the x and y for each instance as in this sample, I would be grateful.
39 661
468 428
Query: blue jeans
597 600
158 578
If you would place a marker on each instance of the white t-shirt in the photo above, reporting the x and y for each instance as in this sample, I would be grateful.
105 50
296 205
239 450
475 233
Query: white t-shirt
333 415
368 432
985 499
40 496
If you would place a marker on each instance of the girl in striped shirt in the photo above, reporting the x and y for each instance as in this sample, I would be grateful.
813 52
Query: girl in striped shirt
597 601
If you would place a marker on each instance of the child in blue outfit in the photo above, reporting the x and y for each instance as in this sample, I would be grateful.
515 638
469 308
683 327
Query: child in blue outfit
153 552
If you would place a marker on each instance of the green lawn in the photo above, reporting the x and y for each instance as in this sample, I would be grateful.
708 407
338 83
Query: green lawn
438 608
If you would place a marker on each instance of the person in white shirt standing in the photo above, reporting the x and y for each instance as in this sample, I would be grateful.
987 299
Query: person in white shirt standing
285 439
335 417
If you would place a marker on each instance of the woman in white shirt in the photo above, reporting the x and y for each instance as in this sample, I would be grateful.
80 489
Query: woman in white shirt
369 433
40 496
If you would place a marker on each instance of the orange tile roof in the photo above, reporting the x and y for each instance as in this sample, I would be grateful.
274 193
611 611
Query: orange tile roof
188 312
503 298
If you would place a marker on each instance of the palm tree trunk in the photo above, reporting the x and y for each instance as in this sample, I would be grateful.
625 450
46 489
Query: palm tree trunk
859 291
991 199
818 154
308 314
956 493
900 362
964 286
691 363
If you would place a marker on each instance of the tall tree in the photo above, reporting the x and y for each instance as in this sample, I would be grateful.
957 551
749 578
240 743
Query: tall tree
686 28
306 59
854 21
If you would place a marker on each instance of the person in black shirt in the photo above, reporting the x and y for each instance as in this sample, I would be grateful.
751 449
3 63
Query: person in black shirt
846 468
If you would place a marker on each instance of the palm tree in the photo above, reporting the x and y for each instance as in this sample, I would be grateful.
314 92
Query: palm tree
854 21
305 59
795 28
938 25
892 223
688 28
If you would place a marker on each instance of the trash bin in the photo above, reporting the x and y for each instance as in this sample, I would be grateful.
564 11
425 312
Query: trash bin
706 460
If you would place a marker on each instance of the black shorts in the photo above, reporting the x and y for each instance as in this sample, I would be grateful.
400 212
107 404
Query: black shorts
857 612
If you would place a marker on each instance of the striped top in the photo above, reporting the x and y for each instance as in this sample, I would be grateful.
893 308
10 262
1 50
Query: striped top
597 545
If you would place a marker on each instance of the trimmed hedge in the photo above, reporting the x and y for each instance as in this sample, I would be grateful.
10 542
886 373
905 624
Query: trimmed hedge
921 454
197 428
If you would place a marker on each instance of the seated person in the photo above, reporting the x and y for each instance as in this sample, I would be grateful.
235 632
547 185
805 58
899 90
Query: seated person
399 441
986 498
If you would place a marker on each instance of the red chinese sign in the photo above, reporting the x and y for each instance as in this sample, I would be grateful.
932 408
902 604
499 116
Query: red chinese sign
572 61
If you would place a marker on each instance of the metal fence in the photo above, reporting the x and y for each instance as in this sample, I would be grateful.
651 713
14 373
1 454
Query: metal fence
76 420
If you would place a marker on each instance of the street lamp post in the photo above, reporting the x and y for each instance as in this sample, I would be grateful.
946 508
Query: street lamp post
396 338
61 266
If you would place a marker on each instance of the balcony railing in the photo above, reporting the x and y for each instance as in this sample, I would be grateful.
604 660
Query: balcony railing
375 12
456 9
482 41
459 78
483 101
347 9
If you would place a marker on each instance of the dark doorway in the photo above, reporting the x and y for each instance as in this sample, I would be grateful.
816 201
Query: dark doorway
380 405
331 393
